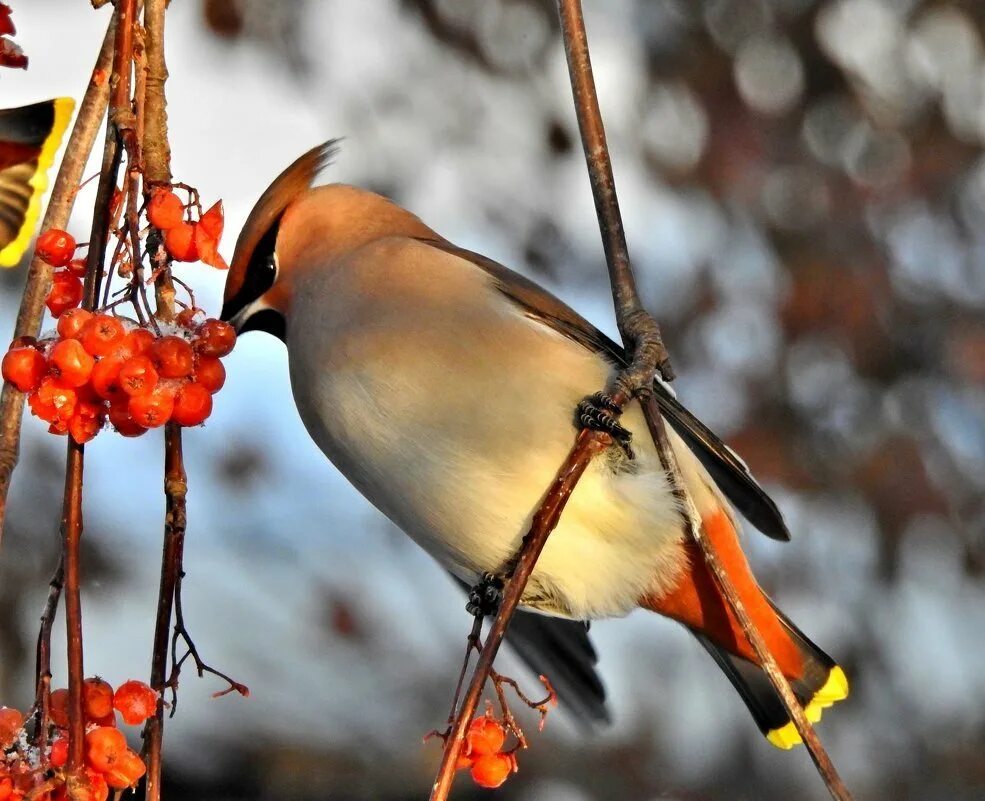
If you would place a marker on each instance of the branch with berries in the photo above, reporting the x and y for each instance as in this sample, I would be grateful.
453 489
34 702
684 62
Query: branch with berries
129 351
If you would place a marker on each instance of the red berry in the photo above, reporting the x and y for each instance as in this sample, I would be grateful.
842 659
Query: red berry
137 376
54 394
119 416
24 368
126 771
102 334
70 363
165 209
84 427
71 322
56 247
11 721
59 752
173 357
213 221
98 696
189 318
210 373
58 708
192 405
135 701
66 293
105 378
215 338
103 746
492 770
485 736
180 242
97 789
136 343
152 409
77 267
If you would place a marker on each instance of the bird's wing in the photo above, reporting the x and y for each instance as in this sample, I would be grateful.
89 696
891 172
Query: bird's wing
729 472
561 650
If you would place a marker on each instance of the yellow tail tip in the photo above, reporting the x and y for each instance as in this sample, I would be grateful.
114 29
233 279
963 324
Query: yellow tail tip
11 253
835 689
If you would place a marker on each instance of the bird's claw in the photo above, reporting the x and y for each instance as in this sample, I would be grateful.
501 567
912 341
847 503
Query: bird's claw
485 596
600 413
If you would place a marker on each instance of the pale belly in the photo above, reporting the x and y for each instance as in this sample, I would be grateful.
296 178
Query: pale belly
454 427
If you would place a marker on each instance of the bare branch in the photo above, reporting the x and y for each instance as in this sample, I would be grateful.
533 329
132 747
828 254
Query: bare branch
38 283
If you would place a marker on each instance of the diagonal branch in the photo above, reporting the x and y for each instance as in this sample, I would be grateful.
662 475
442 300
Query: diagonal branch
64 189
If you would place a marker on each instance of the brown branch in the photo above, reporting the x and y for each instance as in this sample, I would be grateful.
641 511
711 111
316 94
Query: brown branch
157 151
38 282
175 489
588 444
825 767
71 542
42 662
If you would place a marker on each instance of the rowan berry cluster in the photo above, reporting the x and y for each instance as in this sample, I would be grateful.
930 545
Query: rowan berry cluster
30 774
98 367
483 755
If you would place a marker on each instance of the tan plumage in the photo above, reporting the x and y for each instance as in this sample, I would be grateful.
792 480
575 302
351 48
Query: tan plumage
443 386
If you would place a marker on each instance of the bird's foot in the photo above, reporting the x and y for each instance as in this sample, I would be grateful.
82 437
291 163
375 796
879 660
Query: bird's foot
600 413
485 596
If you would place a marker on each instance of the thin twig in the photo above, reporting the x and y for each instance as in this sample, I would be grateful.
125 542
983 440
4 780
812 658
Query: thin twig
42 662
38 282
588 444
825 767
71 543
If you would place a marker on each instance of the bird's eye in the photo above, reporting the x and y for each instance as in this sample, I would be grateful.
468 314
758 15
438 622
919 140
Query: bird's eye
272 264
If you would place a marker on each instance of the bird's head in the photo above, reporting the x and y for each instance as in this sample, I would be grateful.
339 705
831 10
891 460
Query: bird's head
255 299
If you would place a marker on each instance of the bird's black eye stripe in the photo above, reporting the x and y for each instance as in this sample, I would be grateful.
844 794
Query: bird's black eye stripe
260 274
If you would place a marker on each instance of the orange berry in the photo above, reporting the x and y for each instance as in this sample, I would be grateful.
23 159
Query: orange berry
66 293
96 789
165 209
70 364
189 318
173 357
152 409
137 342
485 736
6 789
101 334
215 338
83 428
192 405
103 747
492 770
180 242
59 752
137 376
105 378
126 771
58 708
119 416
24 368
210 373
135 701
56 247
71 322
98 695
77 267
213 220
11 721
52 393
464 762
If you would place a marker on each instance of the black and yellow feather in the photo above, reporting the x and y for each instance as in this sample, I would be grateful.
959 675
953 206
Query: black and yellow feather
29 138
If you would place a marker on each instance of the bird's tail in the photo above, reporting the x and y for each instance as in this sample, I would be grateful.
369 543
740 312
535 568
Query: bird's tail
696 602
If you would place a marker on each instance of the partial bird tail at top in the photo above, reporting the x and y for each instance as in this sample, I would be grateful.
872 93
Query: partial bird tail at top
816 679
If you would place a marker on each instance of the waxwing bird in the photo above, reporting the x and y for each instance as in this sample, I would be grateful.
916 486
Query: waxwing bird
443 386
29 139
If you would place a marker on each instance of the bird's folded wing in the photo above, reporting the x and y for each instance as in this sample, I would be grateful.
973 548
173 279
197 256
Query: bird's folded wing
729 472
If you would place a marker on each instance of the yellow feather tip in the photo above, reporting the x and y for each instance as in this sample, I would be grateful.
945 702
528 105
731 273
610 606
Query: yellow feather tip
835 689
10 256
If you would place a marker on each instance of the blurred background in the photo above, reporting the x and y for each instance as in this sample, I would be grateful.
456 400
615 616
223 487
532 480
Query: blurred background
803 185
